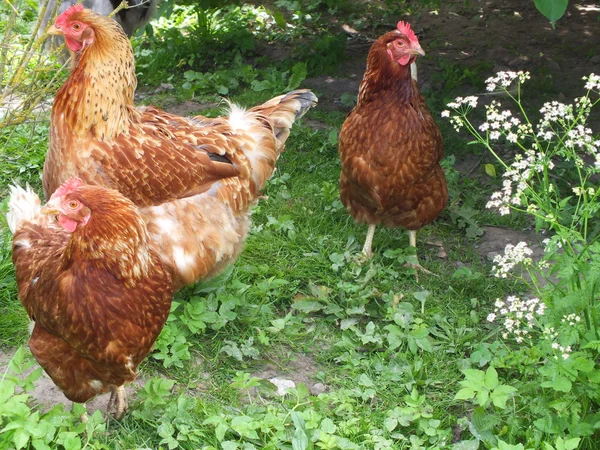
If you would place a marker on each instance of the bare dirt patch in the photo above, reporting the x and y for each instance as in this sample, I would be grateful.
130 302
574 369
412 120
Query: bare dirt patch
502 35
299 368
495 239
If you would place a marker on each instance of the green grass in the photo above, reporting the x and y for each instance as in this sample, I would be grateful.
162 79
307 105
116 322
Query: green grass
322 304
388 348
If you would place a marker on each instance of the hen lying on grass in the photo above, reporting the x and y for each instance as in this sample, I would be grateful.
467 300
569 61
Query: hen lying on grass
87 276
194 179
390 146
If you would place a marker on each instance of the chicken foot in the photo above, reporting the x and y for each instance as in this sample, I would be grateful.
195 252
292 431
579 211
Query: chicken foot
412 241
118 400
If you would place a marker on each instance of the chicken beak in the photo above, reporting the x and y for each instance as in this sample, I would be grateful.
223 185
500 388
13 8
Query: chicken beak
417 50
53 31
51 208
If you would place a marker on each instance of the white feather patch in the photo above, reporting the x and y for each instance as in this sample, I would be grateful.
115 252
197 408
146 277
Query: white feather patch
239 118
23 204
184 261
96 385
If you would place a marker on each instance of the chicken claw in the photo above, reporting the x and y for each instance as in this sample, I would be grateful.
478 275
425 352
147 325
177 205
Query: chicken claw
118 400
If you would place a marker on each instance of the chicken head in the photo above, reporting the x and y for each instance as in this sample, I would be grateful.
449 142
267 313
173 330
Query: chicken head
67 205
404 45
77 33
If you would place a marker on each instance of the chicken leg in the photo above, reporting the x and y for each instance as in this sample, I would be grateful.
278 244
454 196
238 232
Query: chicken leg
367 251
118 400
412 241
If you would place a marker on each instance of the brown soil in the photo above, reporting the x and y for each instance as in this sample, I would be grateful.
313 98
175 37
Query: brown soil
507 35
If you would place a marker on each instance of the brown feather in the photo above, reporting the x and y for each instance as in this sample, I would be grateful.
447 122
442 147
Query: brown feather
99 296
196 207
390 148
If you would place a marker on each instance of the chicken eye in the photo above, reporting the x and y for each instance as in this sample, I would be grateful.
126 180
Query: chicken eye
73 204
399 43
76 26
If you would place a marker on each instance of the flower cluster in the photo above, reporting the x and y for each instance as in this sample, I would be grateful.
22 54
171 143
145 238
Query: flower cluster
463 105
565 351
517 178
551 335
555 113
470 101
513 255
518 316
579 191
593 82
505 79
571 319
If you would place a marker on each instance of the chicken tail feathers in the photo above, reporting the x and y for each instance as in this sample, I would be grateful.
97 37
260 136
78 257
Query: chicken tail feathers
282 111
23 204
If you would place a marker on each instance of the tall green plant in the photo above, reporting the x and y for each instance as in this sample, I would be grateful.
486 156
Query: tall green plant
552 332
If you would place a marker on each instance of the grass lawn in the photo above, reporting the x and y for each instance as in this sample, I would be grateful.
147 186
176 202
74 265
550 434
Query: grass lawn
374 355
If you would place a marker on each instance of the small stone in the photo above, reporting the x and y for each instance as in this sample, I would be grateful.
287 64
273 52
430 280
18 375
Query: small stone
519 61
595 59
553 65
426 87
282 385
500 54
318 388
164 87
491 255
500 68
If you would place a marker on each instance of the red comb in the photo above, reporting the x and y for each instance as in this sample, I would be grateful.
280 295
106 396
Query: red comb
68 186
405 29
62 19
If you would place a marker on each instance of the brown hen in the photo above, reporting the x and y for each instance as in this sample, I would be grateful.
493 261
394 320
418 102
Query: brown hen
193 179
98 294
390 146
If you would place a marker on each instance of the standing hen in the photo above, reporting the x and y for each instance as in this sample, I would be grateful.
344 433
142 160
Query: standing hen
98 294
193 179
390 146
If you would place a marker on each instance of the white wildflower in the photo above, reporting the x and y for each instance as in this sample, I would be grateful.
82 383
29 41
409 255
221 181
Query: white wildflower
593 82
513 255
445 113
519 316
505 79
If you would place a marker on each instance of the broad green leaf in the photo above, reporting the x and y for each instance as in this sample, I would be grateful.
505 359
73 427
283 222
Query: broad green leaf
490 170
472 444
465 394
299 72
552 9
491 378
390 424
477 376
327 426
560 383
20 438
482 397
571 444
501 394
279 19
307 306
